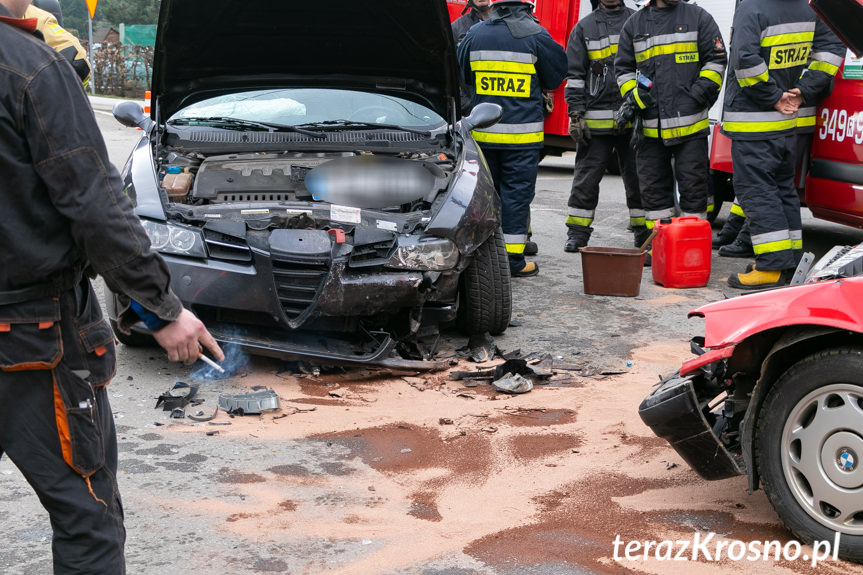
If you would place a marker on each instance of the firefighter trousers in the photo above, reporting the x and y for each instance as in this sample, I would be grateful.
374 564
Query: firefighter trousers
52 418
591 162
656 177
764 184
514 172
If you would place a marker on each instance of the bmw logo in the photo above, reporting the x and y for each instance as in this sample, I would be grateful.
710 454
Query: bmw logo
847 460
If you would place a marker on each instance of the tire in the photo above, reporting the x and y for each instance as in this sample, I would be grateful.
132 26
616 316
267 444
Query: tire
809 445
133 338
485 291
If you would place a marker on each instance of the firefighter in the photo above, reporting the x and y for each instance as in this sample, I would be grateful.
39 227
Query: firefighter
593 98
479 11
781 55
509 60
61 40
670 65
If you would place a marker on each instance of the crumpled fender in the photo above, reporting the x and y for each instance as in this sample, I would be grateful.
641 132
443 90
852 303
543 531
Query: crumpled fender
834 303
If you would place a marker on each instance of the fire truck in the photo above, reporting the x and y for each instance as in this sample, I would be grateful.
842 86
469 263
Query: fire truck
559 18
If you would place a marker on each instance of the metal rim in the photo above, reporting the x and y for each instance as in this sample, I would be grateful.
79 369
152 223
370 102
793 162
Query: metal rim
822 448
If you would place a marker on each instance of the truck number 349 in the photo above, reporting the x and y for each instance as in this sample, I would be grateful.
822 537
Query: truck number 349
839 125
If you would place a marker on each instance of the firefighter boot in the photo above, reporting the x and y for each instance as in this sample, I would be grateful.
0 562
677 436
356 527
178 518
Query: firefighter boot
530 269
754 279
739 248
729 231
640 235
576 237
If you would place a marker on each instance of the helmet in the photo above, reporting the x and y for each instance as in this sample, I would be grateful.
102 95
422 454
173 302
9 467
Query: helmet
531 3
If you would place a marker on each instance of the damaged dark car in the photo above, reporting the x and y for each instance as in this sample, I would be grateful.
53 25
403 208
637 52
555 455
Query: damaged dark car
309 179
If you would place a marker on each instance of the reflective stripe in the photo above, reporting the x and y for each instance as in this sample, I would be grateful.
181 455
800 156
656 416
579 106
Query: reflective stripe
750 76
788 33
806 117
514 128
573 83
650 127
710 207
796 239
702 215
655 215
770 247
827 57
626 82
825 67
533 138
737 210
501 66
600 119
751 122
602 48
665 49
502 61
711 75
636 222
636 213
638 99
666 39
503 55
515 243
583 222
580 213
684 125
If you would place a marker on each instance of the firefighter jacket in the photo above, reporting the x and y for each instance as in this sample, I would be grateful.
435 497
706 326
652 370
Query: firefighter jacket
64 209
464 23
680 49
61 40
511 72
776 45
591 86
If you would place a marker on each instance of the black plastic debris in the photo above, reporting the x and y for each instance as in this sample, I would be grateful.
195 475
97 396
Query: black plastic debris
178 396
249 403
178 413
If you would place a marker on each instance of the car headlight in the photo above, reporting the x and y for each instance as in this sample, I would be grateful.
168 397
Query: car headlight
424 254
171 239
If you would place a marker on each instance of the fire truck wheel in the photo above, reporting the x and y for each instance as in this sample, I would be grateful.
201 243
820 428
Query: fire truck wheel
809 445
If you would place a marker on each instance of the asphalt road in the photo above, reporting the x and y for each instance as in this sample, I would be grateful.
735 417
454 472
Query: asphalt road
186 491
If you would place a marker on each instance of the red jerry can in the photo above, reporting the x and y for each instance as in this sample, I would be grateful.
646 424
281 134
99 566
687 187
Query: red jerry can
681 252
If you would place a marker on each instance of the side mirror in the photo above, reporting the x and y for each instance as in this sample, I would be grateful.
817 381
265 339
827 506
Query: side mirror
482 116
131 114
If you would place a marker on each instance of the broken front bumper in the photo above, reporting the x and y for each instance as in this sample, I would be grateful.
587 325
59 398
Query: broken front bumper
672 411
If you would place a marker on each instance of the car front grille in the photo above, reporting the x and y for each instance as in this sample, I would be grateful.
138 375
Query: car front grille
226 248
298 283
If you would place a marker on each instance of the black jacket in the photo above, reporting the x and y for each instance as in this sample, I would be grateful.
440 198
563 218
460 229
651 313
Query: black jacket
591 85
511 70
681 50
64 210
777 45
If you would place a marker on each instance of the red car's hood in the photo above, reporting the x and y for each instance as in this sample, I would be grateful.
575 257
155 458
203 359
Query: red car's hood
835 303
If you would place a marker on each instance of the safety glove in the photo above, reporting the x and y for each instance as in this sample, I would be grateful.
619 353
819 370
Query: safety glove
578 129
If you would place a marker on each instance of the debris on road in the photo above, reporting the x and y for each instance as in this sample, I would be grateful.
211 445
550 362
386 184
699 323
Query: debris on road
513 383
249 403
178 396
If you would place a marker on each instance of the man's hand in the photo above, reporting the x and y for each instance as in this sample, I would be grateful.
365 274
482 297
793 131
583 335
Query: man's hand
180 339
789 102
578 129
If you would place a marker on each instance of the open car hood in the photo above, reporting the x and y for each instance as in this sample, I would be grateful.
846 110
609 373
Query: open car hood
834 303
207 47
843 17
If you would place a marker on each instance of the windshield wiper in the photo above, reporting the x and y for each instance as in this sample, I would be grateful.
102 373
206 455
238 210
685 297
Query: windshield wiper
238 123
341 124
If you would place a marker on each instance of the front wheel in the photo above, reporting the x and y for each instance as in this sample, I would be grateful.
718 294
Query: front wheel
486 291
809 445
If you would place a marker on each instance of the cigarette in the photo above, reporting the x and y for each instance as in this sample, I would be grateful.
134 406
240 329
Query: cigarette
211 363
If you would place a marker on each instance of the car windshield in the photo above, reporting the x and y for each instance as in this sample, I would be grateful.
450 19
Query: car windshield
293 107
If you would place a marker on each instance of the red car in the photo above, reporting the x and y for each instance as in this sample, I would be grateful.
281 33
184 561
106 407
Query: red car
775 391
